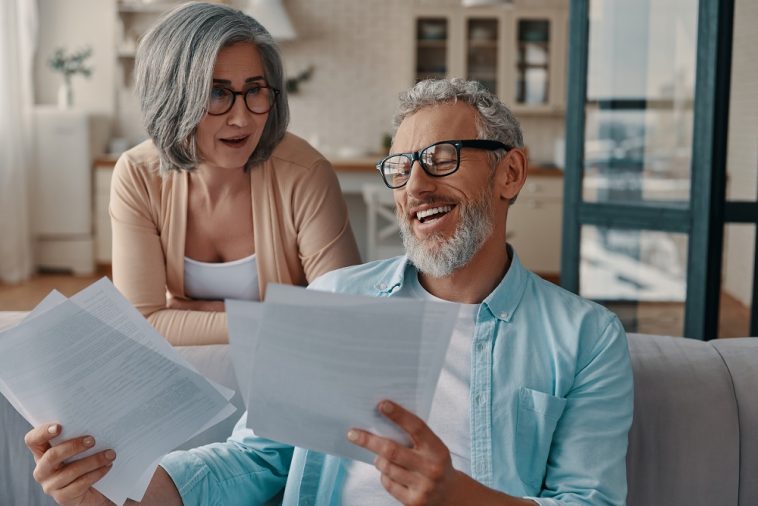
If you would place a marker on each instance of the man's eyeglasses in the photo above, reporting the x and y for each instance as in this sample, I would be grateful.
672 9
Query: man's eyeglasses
258 99
438 160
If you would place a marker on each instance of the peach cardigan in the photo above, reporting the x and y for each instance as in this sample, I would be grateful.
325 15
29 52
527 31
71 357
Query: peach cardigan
300 229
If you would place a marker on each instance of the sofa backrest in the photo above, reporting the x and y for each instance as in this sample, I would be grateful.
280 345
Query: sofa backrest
741 358
684 444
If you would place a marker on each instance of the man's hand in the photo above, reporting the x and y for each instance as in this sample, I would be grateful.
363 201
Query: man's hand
68 484
421 474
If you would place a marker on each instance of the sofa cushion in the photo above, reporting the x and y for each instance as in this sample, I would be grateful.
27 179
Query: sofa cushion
684 441
741 358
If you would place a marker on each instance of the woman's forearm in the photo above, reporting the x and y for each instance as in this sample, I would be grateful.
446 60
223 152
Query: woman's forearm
195 305
190 327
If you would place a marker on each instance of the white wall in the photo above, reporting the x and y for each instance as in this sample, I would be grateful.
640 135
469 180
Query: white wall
742 154
362 55
73 25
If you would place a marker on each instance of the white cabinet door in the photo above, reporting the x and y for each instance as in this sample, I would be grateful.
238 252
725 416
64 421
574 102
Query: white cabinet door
62 174
535 224
102 218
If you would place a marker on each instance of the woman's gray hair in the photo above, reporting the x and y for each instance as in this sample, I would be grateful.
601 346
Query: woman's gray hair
174 75
494 121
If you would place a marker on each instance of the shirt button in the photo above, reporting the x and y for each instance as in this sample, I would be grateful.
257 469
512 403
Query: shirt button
481 399
480 347
382 286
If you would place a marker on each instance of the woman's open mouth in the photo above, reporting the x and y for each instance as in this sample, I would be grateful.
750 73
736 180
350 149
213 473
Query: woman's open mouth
235 142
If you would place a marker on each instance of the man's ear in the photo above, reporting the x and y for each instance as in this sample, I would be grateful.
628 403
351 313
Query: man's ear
511 174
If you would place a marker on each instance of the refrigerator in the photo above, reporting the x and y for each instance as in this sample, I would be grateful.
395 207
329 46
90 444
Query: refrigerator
61 198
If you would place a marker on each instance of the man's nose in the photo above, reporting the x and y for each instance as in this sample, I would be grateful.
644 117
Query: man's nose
419 182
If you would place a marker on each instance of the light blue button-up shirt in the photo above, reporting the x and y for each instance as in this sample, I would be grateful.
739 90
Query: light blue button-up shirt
551 405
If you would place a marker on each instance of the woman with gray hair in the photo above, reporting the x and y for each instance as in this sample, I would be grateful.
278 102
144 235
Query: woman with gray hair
221 200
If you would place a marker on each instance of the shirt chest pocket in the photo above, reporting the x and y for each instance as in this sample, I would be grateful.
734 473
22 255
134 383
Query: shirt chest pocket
538 415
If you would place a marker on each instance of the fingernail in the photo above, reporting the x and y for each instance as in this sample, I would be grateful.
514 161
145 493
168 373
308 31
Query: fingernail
53 429
387 407
110 455
352 435
89 441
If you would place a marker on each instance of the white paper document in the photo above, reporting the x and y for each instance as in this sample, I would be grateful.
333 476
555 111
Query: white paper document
243 319
319 363
93 365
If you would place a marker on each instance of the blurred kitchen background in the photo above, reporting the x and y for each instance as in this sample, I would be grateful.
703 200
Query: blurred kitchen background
347 60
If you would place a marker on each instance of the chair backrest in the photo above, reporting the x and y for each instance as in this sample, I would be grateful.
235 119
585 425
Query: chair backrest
382 232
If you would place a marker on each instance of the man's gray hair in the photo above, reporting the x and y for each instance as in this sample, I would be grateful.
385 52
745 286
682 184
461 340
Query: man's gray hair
494 121
174 76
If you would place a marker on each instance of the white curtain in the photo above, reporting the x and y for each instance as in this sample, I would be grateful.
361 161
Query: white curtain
18 36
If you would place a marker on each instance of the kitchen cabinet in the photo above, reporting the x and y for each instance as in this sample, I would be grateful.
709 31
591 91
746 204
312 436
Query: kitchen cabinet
535 222
103 175
517 52
61 219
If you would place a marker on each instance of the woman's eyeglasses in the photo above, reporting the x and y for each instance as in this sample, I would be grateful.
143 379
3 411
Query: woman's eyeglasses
258 99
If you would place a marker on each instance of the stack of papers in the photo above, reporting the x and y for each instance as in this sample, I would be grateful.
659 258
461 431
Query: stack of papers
311 365
95 365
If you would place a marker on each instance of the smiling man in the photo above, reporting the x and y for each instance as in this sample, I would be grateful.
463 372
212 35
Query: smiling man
534 401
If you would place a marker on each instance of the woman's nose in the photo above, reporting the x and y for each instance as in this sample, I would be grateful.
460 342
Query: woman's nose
238 115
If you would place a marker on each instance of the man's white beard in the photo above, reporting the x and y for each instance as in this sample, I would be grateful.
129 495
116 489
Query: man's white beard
438 257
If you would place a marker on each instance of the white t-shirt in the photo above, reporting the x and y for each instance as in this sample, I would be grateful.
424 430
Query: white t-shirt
449 417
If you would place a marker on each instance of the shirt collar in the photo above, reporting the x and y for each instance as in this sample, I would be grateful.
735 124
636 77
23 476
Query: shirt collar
395 276
505 298
502 302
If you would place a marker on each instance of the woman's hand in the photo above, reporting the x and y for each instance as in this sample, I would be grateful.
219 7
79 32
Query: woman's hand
195 305
68 484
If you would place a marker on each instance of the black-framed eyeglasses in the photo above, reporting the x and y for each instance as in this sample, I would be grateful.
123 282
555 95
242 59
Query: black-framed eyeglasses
258 99
438 160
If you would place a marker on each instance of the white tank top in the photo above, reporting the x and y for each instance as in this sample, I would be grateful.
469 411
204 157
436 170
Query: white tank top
217 281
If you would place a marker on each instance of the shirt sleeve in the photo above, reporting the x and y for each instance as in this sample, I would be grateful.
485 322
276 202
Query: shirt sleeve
139 262
587 462
244 470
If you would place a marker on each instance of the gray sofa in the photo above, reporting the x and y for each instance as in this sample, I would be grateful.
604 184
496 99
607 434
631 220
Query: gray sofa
694 440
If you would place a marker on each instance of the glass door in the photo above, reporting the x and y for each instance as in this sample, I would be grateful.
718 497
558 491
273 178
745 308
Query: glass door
643 169
739 294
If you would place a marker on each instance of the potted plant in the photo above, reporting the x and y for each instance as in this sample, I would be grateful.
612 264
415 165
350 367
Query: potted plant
69 65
